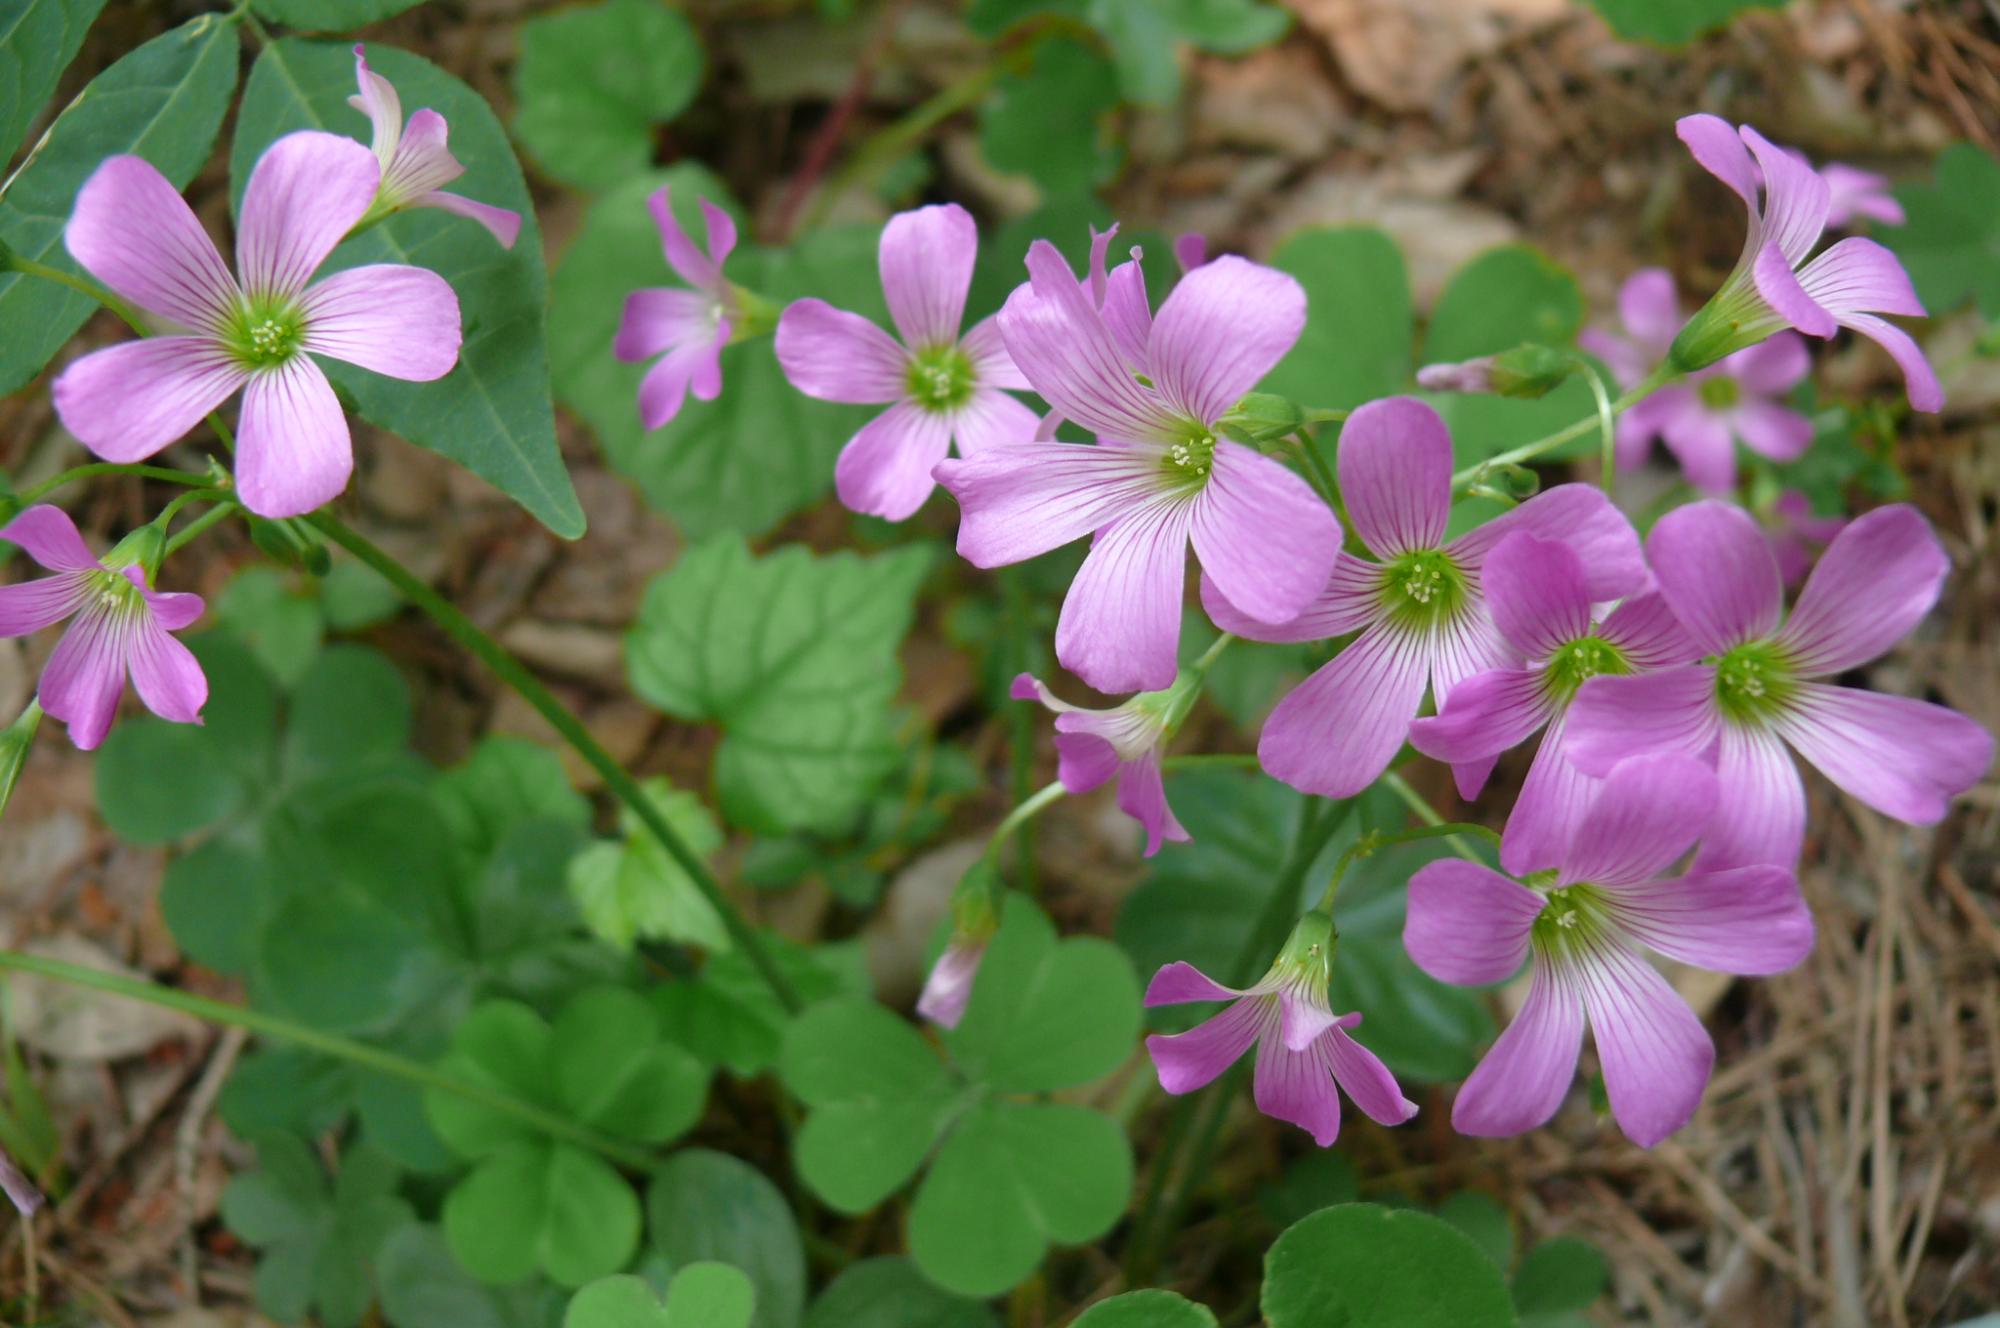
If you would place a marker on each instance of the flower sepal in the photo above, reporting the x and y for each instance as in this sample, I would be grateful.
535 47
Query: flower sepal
14 744
1729 322
141 549
291 541
754 315
1262 417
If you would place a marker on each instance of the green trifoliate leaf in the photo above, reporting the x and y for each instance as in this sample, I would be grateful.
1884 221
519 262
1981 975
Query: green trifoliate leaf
1951 242
1046 123
634 890
794 656
891 1293
504 782
1146 1309
491 413
594 80
702 1295
704 1206
542 1205
1673 22
164 101
318 1243
1356 343
1559 1277
1484 1221
329 15
1371 1267
727 1015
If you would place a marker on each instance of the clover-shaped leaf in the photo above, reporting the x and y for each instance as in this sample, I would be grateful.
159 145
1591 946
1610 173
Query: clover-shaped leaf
532 1202
634 890
318 1242
1367 1266
706 1206
1146 1309
1008 1177
1951 241
702 1295
593 81
727 1015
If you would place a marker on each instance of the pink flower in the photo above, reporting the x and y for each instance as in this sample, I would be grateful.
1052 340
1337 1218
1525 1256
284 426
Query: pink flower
1152 390
1702 417
414 159
949 986
1755 691
1797 537
1540 600
942 386
121 627
1420 611
1092 746
21 1191
1303 1048
1773 286
137 236
1582 933
687 329
1853 192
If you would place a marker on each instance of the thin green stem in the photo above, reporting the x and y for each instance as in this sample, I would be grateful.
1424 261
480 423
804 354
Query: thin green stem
1606 421
1020 719
29 267
1426 813
1199 760
194 529
1201 666
1024 811
1375 841
530 688
1659 378
48 486
327 1044
1322 478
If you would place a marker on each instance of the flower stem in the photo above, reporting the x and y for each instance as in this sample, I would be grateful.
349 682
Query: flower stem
1606 418
327 1044
1659 378
50 485
1322 478
194 529
1202 665
1426 813
517 676
1200 760
1018 625
1025 811
29 267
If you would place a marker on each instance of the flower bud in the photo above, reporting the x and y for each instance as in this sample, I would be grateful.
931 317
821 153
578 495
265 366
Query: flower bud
1263 417
291 541
974 919
14 744
1525 372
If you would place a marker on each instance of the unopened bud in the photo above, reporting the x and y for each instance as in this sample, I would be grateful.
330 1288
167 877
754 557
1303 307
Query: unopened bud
1511 482
1263 417
291 541
1525 372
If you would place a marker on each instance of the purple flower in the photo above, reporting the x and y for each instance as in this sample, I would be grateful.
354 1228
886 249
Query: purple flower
414 159
1701 418
136 235
120 627
1539 596
1125 741
1853 192
1303 1048
943 387
687 329
21 1191
1159 476
1755 690
1420 611
1773 286
949 986
1582 932
1796 536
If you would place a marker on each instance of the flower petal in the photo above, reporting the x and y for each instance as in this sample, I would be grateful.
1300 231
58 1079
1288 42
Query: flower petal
1120 625
835 355
1853 192
1523 1079
1668 710
1650 310
1719 149
926 258
1655 1054
885 469
1302 1019
1873 585
305 193
1058 340
1553 799
1859 276
1645 629
1347 603
1647 813
1142 795
1366 1079
702 271
504 223
1717 574
1084 761
1904 758
165 673
1395 475
1580 516
692 366
948 989
1700 440
422 161
1467 924
378 101
1772 367
132 230
1262 534
389 318
1180 982
128 401
1127 313
990 419
1795 198
1484 716
992 366
171 609
1186 1061
1296 1086
1771 430
1338 730
46 534
661 318
1779 286
1920 381
85 675
293 452
1760 815
1748 920
1537 593
1222 328
29 606
1023 500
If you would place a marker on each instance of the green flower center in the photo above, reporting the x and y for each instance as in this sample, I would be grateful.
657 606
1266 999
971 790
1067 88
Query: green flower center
1580 661
266 332
1423 588
1190 458
1753 682
1570 916
113 591
1720 392
941 378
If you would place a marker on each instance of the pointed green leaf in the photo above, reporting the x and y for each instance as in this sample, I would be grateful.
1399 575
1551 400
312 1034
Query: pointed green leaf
37 42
